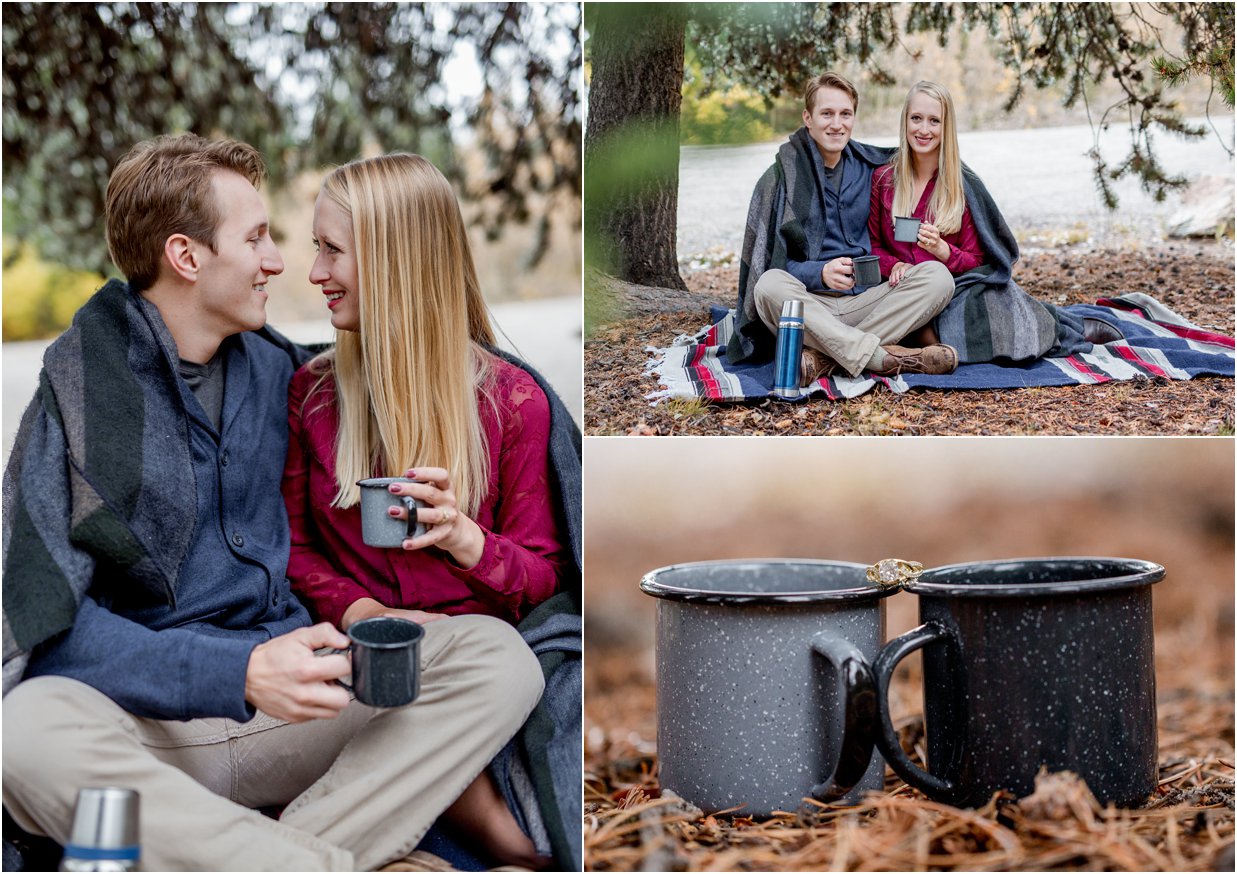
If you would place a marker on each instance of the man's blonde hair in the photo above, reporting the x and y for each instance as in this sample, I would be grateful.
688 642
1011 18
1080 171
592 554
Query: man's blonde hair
163 187
829 79
407 383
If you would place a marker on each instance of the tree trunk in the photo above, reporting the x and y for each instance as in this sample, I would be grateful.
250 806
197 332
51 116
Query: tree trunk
631 143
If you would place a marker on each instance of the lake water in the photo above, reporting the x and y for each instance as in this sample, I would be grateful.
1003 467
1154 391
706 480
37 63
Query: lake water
1041 179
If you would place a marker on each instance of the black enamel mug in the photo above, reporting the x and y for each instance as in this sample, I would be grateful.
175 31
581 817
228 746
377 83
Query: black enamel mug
386 661
1030 663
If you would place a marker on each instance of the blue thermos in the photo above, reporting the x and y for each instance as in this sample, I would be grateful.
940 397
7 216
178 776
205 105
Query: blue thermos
789 350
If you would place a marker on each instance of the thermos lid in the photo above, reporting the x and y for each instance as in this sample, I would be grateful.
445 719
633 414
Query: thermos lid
105 819
792 309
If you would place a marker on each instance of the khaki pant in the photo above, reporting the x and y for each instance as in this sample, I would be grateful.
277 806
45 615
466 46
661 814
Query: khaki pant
360 790
849 327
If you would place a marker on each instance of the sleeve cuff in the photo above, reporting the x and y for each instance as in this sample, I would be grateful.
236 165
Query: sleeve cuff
215 678
807 272
481 571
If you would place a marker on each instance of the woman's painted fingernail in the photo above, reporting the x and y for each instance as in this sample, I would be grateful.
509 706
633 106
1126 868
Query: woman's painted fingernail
393 488
392 511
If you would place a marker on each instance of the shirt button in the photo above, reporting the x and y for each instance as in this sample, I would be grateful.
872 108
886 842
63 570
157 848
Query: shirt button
237 539
224 459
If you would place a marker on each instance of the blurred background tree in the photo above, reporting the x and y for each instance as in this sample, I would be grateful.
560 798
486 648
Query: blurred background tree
308 84
1124 56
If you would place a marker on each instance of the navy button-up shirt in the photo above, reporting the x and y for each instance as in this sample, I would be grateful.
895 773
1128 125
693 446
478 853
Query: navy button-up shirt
189 659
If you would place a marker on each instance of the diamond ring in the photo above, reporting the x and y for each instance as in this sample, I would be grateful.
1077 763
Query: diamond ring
894 572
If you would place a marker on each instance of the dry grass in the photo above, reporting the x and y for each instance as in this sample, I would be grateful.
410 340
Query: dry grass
1186 826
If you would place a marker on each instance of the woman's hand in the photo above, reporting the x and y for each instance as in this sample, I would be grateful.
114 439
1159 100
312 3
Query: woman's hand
930 241
450 529
897 272
368 608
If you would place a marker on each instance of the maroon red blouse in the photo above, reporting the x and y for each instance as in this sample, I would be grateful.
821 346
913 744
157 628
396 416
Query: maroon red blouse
330 567
964 250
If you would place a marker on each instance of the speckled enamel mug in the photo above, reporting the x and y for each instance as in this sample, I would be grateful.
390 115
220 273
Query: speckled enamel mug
764 687
906 229
378 526
1030 663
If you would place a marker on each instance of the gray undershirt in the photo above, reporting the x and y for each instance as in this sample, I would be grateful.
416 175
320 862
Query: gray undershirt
833 176
206 383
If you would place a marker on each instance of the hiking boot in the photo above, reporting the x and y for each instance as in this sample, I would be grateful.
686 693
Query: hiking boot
936 359
1099 332
814 365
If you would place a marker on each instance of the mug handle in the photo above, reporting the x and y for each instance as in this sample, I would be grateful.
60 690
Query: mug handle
337 651
886 738
415 527
858 694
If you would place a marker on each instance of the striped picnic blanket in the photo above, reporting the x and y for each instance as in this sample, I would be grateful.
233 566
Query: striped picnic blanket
1158 343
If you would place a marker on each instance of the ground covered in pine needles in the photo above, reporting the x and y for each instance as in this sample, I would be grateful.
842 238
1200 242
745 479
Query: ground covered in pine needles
1186 825
1194 279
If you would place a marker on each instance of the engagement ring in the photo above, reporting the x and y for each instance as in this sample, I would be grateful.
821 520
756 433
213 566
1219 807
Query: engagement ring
894 572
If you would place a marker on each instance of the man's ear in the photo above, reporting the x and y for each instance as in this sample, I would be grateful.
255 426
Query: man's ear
181 253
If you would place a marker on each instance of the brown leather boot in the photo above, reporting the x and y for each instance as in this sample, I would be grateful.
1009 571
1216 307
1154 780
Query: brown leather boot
935 359
1100 332
814 365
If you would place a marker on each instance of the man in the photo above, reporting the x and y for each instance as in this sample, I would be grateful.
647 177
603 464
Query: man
150 639
807 221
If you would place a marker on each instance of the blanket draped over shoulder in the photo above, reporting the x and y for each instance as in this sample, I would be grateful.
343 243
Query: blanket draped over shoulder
784 222
100 480
538 772
990 317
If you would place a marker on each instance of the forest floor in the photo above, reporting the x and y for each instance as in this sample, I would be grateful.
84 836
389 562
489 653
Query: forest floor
1194 279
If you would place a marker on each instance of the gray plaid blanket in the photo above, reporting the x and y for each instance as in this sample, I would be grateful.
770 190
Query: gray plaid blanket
100 480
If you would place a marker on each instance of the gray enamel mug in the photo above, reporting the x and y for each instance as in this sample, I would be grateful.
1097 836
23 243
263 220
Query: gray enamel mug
906 229
765 696
379 527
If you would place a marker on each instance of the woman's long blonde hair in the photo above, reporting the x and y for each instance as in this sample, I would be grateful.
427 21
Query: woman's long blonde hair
948 200
407 382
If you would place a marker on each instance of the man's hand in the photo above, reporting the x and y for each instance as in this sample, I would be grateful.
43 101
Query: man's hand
286 680
838 275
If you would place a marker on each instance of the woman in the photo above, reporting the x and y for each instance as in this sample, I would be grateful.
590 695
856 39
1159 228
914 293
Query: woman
924 181
963 229
412 389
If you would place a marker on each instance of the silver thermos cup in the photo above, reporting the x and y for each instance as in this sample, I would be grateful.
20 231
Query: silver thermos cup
105 831
789 350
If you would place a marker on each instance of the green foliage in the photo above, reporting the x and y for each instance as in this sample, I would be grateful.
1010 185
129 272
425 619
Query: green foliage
773 49
1208 49
308 84
600 306
40 298
630 161
777 47
720 116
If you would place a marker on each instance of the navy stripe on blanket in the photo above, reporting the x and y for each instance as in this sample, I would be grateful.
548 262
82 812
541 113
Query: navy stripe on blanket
1158 344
